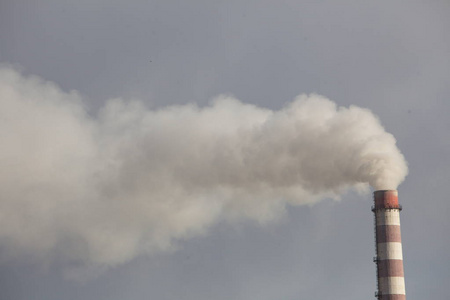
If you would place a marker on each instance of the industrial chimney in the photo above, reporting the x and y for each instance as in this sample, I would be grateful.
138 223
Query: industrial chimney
388 245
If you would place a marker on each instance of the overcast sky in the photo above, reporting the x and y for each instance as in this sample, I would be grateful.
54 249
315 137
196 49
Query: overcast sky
392 57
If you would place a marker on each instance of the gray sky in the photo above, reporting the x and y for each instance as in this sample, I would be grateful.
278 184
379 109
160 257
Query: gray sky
390 57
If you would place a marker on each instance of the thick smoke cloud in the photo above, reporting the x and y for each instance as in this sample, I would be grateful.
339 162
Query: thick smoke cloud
102 190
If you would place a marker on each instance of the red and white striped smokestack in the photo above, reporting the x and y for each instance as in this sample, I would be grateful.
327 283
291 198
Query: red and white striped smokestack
389 259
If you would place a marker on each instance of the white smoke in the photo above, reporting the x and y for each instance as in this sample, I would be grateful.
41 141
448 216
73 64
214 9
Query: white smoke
102 190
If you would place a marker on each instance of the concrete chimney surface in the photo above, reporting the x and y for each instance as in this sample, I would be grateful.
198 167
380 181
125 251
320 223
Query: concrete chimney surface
389 259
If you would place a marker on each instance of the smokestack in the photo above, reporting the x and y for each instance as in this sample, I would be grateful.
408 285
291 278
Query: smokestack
388 245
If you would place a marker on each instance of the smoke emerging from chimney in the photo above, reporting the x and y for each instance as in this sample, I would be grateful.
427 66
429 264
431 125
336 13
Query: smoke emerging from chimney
102 190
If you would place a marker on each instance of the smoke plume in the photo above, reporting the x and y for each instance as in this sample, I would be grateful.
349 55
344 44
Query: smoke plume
101 190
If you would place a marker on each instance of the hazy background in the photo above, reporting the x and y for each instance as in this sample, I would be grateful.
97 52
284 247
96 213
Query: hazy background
390 57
